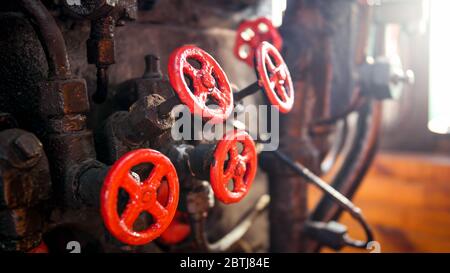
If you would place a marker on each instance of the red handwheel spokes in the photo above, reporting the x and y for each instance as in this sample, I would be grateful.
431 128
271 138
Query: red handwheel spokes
274 77
206 91
233 163
250 34
142 196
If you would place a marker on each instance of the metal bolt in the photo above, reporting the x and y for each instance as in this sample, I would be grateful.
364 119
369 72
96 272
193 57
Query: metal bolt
28 146
152 67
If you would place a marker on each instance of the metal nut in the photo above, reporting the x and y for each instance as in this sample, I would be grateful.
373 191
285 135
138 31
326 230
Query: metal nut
29 146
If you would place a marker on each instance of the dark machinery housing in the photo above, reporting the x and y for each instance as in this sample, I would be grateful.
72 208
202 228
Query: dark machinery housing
88 158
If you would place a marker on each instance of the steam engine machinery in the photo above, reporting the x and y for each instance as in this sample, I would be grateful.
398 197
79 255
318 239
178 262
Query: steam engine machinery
90 92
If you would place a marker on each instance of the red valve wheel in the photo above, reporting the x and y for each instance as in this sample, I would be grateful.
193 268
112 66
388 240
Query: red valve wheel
207 85
232 164
250 34
143 196
274 77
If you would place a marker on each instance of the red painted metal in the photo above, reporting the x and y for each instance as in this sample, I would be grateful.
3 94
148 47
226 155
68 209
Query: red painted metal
209 82
180 228
232 164
250 34
41 248
274 77
143 196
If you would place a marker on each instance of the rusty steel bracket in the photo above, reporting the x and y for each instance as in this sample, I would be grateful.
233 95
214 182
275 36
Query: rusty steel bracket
25 186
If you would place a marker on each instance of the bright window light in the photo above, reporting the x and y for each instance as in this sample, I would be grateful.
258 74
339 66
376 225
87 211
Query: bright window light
278 8
439 94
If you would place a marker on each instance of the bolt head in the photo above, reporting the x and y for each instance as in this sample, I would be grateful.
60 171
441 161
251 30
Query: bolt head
28 146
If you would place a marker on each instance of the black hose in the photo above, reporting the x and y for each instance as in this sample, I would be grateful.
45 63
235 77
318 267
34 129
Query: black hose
340 199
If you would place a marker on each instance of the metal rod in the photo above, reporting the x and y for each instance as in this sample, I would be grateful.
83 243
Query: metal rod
310 176
251 89
340 199
101 93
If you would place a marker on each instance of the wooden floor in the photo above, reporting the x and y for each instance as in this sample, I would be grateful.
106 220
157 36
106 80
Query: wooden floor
406 199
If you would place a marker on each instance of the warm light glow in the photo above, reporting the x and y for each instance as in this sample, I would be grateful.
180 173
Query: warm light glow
439 96
278 8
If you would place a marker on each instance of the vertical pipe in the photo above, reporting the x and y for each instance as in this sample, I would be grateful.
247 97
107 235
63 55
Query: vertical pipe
51 38
288 209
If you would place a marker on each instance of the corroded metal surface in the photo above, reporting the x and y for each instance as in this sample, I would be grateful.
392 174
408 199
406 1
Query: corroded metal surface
47 87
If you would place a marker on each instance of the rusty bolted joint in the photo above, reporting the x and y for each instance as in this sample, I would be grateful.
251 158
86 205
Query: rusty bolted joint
24 187
101 52
124 131
101 44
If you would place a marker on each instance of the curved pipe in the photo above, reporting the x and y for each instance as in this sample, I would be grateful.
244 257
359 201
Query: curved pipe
360 157
337 198
51 38
356 103
226 242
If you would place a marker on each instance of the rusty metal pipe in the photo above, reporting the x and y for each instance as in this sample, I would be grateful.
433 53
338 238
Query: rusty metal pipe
89 181
51 38
68 142
101 52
